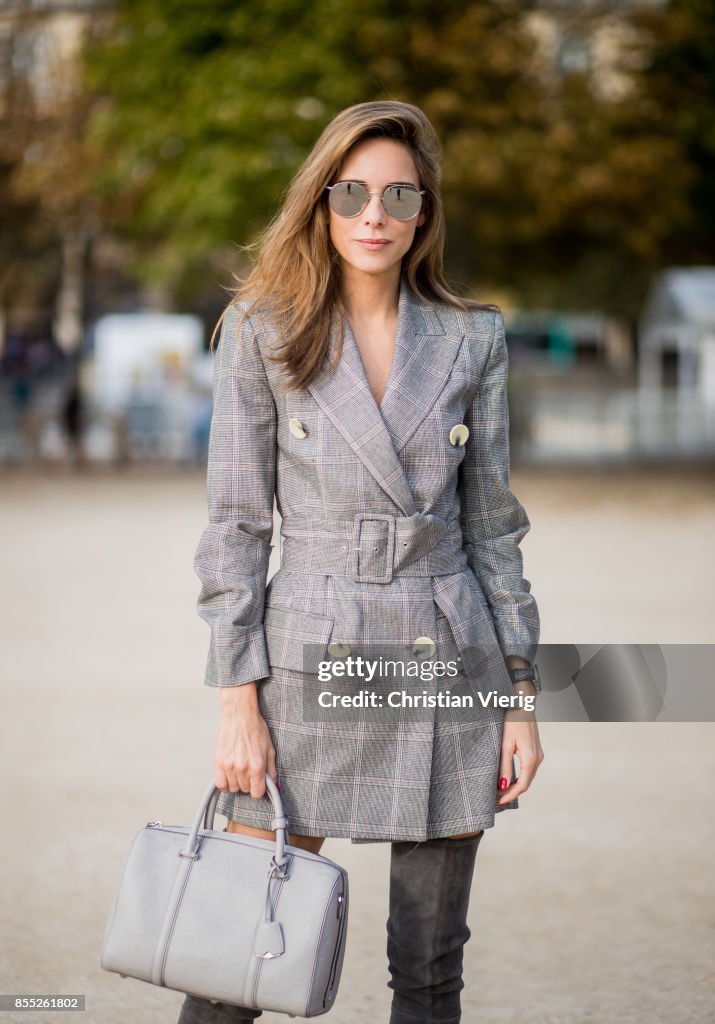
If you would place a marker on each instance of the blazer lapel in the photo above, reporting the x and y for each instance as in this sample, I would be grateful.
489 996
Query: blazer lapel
422 361
345 397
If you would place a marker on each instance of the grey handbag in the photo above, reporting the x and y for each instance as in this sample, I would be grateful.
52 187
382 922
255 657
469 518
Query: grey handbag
230 917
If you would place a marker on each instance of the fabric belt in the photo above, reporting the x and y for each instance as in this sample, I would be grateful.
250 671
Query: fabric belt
373 547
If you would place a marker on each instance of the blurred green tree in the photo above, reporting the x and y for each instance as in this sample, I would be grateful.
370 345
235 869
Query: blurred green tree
678 80
205 111
46 174
563 182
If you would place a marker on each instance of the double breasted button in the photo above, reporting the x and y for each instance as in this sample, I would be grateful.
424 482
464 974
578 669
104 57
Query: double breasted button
458 435
424 647
338 650
296 428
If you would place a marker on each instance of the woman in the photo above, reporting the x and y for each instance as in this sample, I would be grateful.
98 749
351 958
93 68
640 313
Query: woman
371 401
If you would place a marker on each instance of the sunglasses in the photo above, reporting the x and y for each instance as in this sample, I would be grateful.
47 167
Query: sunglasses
350 198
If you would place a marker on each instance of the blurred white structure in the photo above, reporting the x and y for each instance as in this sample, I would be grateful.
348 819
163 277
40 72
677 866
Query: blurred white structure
142 381
676 362
143 354
677 333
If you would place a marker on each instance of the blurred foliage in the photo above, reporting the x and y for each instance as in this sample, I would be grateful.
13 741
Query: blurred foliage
209 108
678 81
558 191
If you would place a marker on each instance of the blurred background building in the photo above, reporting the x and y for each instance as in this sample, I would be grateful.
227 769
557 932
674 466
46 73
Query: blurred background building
141 146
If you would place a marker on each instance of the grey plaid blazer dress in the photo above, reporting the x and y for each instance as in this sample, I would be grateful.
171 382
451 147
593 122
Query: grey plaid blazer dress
399 533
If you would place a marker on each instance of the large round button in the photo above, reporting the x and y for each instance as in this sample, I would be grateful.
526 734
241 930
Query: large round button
424 647
338 650
296 428
458 435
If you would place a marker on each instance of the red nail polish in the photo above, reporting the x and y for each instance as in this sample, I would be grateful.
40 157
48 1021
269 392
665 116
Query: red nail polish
503 783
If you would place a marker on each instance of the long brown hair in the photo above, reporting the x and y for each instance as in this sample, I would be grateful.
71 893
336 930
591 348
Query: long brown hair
296 276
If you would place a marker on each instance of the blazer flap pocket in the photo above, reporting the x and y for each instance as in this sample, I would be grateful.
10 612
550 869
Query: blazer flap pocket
296 639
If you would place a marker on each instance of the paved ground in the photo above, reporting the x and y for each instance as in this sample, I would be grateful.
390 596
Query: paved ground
593 903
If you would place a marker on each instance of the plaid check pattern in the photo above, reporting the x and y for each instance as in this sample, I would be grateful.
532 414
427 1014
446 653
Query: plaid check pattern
390 533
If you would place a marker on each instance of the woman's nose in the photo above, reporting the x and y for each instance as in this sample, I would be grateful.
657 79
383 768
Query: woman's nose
374 212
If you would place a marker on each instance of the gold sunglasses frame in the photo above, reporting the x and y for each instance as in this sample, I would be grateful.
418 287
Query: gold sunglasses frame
393 184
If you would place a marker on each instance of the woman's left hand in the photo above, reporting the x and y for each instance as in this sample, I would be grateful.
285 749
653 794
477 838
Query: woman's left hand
520 736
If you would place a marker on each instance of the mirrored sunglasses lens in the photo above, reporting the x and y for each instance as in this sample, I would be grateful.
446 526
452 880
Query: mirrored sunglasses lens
348 198
402 203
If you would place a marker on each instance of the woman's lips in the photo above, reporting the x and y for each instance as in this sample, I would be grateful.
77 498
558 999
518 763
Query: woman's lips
373 244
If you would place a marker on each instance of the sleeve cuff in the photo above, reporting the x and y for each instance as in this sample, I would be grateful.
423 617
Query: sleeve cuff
239 658
521 640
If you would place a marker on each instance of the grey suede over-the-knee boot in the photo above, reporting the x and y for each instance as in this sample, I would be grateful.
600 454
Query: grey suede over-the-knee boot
196 1010
430 885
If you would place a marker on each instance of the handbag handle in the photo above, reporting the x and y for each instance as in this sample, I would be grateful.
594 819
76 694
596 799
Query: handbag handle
207 812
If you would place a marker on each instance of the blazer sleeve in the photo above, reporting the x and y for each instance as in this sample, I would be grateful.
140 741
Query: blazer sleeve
233 553
492 519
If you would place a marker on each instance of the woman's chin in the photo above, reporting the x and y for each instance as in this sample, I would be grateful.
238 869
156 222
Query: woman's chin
374 267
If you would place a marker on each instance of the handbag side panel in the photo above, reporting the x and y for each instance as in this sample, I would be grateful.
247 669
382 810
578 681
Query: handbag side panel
312 910
140 903
332 954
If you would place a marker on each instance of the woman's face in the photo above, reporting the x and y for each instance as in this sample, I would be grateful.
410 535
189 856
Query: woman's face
378 163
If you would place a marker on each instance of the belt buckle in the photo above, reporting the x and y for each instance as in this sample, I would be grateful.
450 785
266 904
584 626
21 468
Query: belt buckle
359 548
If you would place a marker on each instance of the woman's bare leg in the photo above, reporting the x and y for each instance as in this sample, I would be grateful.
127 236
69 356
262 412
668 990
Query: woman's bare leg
310 843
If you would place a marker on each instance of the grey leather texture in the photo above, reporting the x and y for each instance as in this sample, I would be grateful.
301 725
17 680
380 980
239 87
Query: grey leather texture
226 916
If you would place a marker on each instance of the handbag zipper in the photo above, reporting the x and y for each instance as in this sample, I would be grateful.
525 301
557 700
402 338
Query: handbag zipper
338 944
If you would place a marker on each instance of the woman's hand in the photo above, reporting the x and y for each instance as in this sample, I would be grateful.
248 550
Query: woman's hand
244 749
520 736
